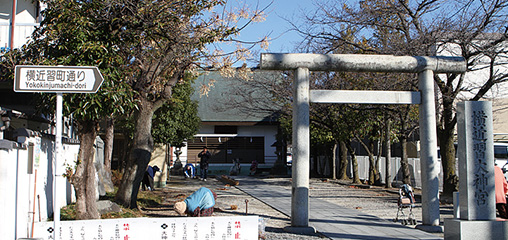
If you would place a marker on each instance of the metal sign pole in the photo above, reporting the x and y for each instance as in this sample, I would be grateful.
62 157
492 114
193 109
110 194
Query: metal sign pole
59 80
56 161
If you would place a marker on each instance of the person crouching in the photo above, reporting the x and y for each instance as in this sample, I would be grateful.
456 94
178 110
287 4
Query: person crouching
198 204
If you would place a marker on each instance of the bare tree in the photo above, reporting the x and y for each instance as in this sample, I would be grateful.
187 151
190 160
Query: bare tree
475 30
255 92
166 40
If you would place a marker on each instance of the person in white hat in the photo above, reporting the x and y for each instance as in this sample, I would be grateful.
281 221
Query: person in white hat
198 204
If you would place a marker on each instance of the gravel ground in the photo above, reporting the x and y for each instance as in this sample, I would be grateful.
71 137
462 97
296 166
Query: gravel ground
376 201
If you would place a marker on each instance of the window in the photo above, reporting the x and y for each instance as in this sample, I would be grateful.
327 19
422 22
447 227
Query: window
246 149
226 130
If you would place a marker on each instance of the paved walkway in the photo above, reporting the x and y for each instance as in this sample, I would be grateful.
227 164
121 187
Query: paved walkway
330 219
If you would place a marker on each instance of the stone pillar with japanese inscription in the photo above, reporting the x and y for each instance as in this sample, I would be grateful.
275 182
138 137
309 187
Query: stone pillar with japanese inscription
476 161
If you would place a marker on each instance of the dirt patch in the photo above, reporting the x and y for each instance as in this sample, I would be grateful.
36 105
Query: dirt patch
230 202
376 201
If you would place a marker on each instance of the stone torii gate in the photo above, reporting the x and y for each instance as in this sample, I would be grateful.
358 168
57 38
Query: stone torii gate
301 64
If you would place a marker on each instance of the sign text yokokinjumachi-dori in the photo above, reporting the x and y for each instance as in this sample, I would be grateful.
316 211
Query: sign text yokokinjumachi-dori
57 79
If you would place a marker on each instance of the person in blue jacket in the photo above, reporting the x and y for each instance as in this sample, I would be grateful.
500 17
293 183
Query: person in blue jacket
198 204
147 182
189 171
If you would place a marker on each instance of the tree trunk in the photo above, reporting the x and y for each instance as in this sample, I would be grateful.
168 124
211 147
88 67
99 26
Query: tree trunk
374 178
108 144
447 150
356 177
314 162
108 155
404 164
388 155
445 132
334 161
124 155
373 172
83 179
139 156
343 161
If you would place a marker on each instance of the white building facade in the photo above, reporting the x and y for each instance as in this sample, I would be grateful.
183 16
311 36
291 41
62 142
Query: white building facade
18 19
232 132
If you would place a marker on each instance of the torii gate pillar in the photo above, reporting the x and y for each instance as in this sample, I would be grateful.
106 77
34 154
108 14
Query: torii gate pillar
428 155
302 96
301 152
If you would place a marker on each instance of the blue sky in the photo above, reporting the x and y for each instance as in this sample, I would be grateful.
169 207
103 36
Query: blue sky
276 25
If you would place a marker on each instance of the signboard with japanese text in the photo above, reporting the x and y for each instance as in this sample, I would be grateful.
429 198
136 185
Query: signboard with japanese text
63 79
475 152
206 228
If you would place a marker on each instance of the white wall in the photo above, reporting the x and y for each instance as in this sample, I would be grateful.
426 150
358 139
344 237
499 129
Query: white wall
475 79
500 115
395 171
18 178
26 19
8 190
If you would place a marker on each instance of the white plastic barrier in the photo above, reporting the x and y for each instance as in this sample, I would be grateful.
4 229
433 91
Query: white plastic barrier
237 227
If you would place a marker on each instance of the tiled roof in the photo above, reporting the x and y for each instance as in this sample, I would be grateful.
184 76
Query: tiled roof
233 99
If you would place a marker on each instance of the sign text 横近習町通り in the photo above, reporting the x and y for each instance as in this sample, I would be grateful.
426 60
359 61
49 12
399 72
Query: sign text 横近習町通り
65 79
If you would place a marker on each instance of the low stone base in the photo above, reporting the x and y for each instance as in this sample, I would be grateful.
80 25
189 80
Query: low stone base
106 206
300 230
475 230
430 229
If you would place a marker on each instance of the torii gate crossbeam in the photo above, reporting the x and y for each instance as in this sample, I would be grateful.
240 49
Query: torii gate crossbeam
301 64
